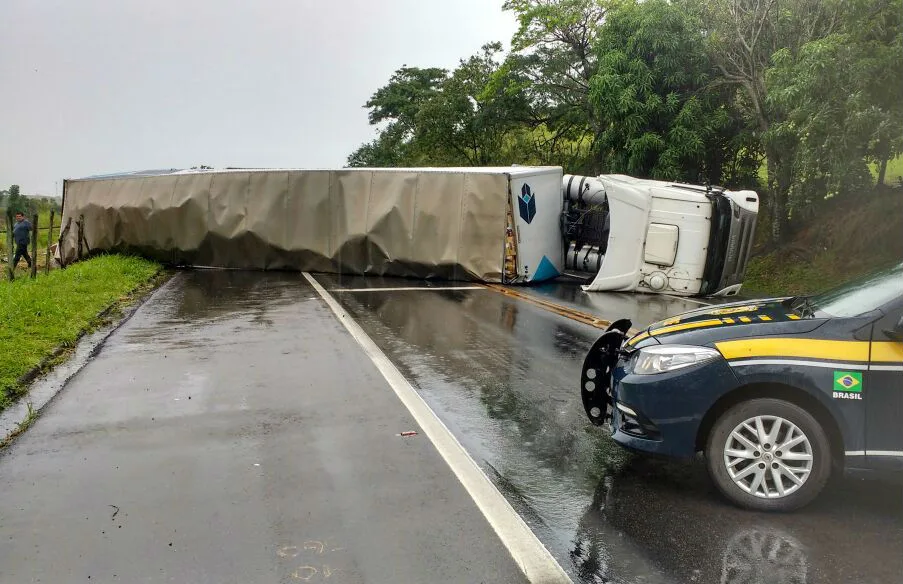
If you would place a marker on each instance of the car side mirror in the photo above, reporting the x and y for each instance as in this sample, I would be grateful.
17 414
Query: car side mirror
895 333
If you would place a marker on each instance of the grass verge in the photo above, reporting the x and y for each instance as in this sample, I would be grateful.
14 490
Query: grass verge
41 319
777 275
846 239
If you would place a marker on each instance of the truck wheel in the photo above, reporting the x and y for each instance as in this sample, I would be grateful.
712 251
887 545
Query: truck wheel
769 455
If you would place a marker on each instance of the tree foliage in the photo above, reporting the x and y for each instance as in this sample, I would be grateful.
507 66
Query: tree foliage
653 87
842 102
553 61
14 201
691 90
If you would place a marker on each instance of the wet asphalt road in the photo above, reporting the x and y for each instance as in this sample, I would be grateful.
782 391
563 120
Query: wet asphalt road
233 432
286 451
504 375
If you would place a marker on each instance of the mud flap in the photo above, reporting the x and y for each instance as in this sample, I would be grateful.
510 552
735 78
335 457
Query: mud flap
595 379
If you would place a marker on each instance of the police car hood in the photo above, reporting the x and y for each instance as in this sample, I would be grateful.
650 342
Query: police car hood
737 319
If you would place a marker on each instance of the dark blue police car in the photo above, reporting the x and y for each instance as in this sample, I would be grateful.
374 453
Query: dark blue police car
777 393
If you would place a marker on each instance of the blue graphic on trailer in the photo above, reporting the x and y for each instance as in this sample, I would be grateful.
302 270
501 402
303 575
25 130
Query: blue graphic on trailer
545 271
526 204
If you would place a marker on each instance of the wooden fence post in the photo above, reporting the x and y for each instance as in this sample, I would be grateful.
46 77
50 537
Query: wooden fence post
49 241
64 233
34 247
10 245
81 235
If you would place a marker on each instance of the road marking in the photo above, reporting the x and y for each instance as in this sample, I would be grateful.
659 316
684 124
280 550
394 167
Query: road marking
289 551
408 288
564 311
528 552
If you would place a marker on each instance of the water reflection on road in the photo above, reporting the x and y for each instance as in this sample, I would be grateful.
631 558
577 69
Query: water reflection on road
502 374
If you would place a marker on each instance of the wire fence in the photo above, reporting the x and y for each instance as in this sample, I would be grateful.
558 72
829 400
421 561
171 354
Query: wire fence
45 232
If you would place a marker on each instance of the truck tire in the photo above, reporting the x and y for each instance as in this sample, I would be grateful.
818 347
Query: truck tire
768 455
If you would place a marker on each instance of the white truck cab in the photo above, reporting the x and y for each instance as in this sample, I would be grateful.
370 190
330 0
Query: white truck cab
636 235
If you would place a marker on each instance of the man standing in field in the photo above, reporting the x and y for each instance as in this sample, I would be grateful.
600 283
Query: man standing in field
22 237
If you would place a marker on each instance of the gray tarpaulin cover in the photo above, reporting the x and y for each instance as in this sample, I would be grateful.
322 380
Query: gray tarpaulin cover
447 223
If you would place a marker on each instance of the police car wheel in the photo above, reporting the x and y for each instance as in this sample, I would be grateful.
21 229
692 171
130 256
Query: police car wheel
769 455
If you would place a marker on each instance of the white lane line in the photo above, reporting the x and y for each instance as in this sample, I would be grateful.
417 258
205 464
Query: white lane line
404 289
689 299
531 556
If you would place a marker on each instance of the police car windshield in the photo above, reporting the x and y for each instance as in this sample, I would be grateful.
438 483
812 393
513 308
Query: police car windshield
861 296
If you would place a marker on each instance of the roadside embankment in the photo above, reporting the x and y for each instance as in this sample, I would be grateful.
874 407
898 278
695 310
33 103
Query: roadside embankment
41 319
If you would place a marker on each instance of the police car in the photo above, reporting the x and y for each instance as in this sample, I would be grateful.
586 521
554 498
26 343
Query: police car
777 393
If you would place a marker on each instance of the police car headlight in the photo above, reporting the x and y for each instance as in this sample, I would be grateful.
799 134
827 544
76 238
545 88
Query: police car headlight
651 360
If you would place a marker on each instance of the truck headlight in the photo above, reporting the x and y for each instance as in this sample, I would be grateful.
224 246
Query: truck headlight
651 360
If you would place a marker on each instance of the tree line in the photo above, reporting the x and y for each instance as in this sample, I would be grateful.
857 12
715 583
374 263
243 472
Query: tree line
796 98
12 201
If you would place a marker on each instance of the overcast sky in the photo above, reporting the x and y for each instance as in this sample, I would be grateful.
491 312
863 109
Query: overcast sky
91 86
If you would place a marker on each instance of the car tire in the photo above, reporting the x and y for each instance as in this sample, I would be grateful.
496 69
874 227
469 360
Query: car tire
746 468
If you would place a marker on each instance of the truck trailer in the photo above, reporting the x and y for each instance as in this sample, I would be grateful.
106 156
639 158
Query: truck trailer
480 224
509 225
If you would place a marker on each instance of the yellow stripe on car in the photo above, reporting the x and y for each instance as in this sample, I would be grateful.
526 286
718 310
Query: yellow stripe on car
806 348
675 328
638 338
671 325
887 352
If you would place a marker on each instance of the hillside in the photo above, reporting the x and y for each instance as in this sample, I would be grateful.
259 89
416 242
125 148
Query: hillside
843 239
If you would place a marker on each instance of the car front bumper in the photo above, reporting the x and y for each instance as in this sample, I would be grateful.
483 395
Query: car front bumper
660 413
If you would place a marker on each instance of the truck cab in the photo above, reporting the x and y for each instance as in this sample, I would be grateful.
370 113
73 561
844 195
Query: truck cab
636 235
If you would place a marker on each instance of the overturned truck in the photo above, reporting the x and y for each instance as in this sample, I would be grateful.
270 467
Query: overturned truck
510 225
627 234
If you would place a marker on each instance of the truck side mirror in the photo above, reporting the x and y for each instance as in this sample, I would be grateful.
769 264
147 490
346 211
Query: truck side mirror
895 333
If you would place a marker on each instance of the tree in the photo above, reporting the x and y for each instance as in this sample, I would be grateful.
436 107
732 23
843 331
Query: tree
396 106
464 123
433 117
829 116
388 149
653 88
743 35
15 202
551 64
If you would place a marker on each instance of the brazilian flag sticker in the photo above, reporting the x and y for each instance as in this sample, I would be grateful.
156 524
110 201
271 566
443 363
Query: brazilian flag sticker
848 381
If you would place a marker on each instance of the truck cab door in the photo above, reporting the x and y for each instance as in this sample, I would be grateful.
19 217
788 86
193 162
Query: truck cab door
883 393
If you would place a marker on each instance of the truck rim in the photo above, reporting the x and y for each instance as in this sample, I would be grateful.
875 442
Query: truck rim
768 457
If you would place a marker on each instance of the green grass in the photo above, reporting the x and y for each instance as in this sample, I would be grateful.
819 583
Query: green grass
891 177
846 239
38 316
894 171
771 275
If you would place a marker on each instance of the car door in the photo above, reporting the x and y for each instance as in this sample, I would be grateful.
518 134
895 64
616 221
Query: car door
883 393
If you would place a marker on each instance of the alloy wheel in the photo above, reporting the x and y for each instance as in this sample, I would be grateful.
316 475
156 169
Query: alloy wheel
768 456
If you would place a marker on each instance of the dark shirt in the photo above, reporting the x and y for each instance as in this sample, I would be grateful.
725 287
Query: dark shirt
21 232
